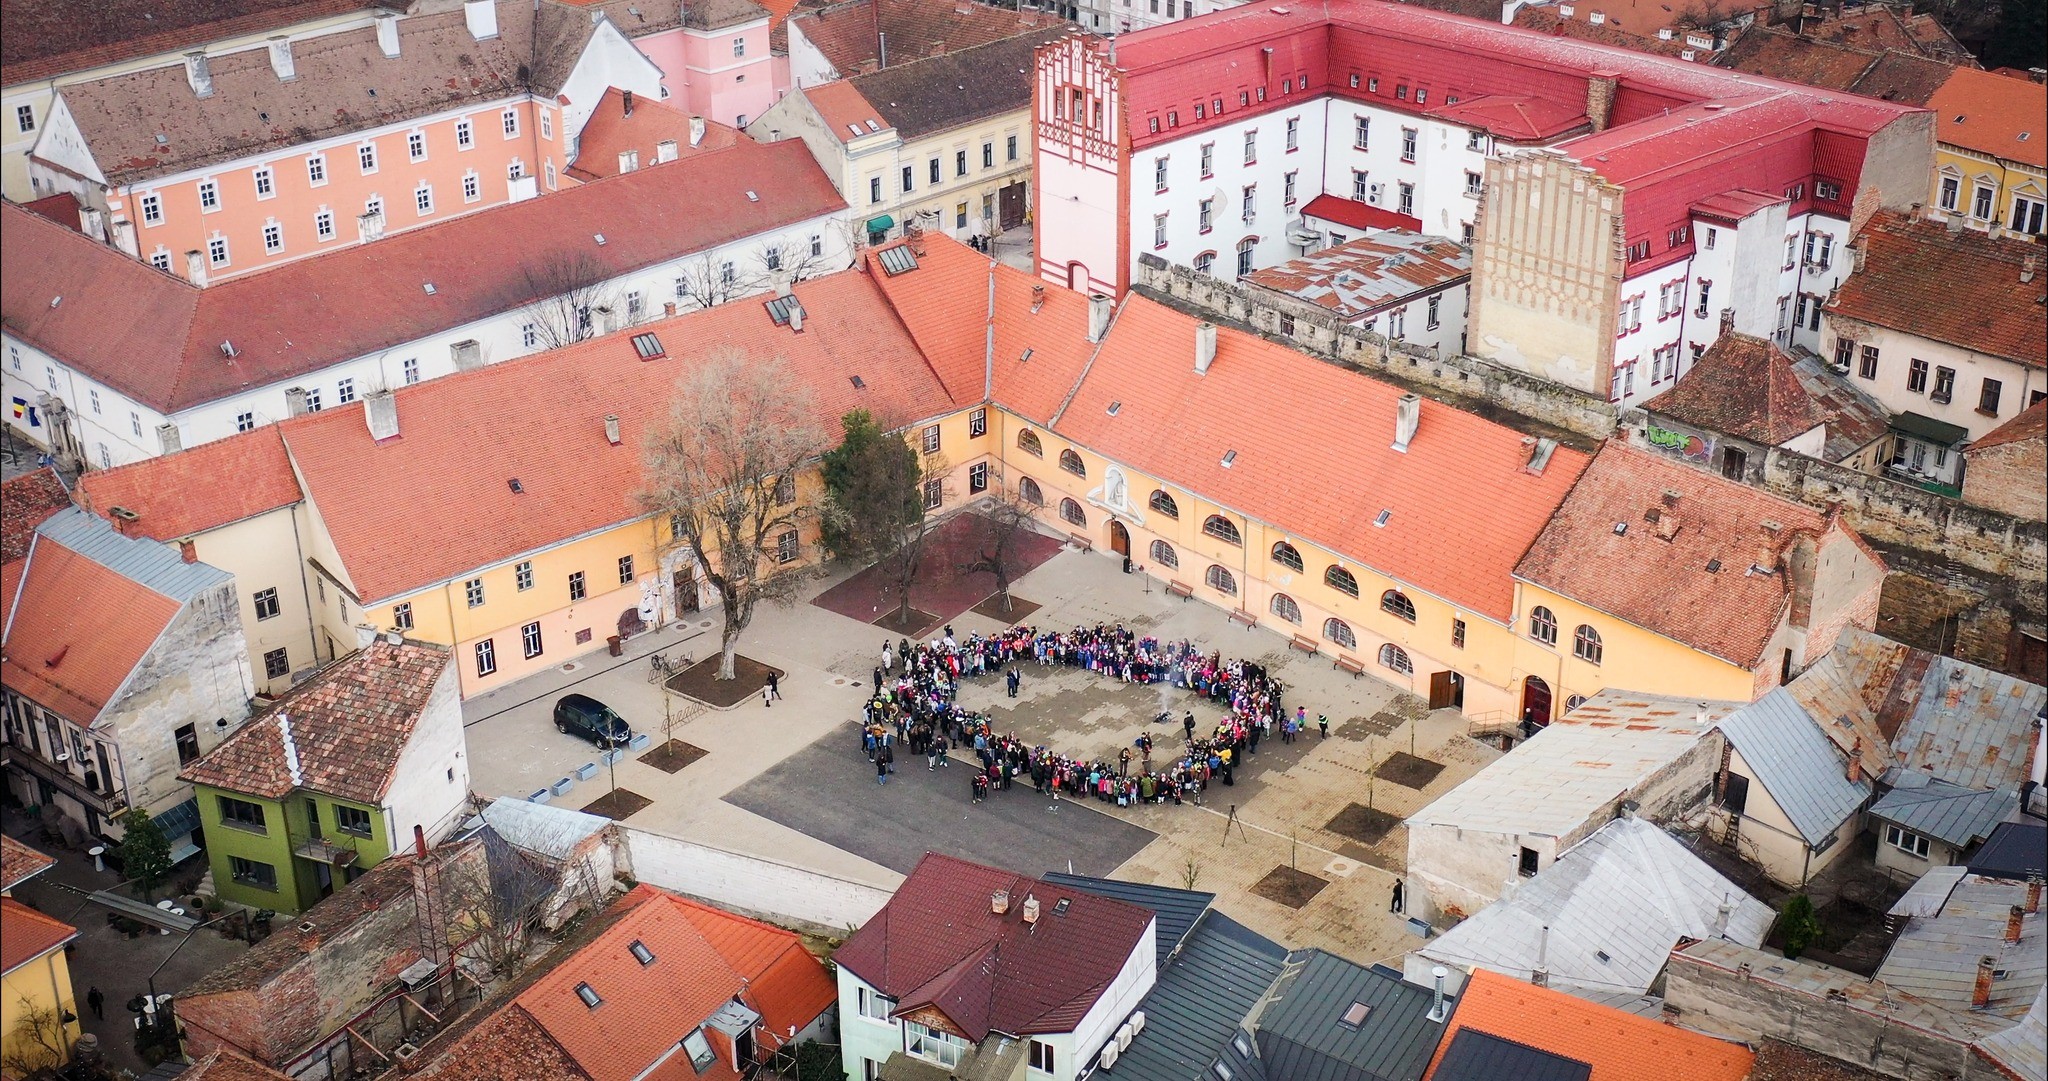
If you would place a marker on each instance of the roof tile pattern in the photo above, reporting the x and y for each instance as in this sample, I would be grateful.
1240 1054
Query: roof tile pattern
1959 286
179 495
26 934
30 499
2028 425
1619 1046
937 943
60 37
61 650
846 33
610 131
348 725
509 1045
958 87
224 1065
19 862
1993 114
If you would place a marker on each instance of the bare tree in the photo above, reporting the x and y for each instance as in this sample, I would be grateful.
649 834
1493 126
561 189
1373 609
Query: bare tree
572 297
909 554
723 469
708 282
1008 518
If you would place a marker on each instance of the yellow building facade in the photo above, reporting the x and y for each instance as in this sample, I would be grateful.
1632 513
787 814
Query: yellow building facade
1990 161
39 1020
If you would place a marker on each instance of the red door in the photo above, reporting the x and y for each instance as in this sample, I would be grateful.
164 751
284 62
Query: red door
1536 701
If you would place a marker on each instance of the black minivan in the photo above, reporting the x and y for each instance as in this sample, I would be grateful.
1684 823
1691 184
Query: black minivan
587 718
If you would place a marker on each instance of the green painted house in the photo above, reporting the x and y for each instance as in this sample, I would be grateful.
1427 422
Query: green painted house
321 786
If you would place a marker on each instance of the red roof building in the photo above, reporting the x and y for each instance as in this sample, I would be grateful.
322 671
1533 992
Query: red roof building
30 499
1618 1046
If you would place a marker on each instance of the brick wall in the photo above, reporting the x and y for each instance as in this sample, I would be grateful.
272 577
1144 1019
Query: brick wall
2008 479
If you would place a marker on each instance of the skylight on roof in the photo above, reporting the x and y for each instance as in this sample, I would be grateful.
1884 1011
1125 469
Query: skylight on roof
1355 1015
647 345
588 994
641 953
1059 907
1115 408
779 309
872 126
854 128
1385 513
1229 458
856 381
517 488
599 237
1025 357
752 197
898 260
429 287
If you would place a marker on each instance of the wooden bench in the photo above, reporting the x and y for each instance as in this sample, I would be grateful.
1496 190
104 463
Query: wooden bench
1305 644
1239 615
1081 542
1180 589
1350 664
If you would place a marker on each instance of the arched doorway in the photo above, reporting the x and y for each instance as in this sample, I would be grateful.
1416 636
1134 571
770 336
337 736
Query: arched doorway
1535 702
1119 538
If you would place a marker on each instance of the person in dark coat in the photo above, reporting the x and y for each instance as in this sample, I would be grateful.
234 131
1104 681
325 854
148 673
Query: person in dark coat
96 1002
1013 679
1187 725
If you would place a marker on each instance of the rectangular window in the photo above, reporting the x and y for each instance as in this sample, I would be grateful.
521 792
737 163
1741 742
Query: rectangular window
529 335
316 169
1287 196
217 250
626 574
410 369
529 639
255 875
932 1045
24 118
486 657
977 424
1361 132
1159 230
2027 215
977 477
209 196
1866 365
1206 217
1458 633
242 814
266 182
1293 134
187 739
932 173
323 225
423 199
1042 1057
1408 137
416 145
930 438
1980 202
874 1005
1361 185
959 163
577 590
1408 199
276 663
1820 250
522 575
266 603
1158 174
401 615
1987 397
366 158
1208 160
245 422
1526 864
1944 385
352 820
473 592
909 177
1905 841
934 494
1397 323
1251 203
786 547
465 135
509 121
1916 375
152 210
1251 147
988 155
1435 303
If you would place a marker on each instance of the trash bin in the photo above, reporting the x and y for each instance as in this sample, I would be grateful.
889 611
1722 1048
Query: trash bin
616 645
1127 564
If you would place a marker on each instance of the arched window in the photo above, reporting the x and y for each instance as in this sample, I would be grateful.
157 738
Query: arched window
1222 529
1574 702
1543 625
1338 631
1071 462
1396 603
1164 504
1339 579
1396 658
1284 607
1221 580
1027 490
1027 441
1072 512
1287 556
1164 555
1586 644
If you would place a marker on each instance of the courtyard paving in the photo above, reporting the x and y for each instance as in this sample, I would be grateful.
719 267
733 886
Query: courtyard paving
790 782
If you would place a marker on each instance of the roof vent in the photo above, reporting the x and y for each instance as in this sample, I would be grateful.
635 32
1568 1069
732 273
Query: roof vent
307 927
1229 458
611 428
123 513
666 150
517 488
1713 566
1407 417
1621 529
1030 911
999 902
1205 347
1437 1011
1059 908
227 348
1671 497
1026 355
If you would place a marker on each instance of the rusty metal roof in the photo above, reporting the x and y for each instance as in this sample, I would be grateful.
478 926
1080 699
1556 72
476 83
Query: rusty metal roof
1362 276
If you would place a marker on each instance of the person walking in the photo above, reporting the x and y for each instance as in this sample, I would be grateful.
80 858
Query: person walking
878 678
774 685
1187 725
96 1002
1399 904
1323 722
881 769
1013 679
888 658
768 693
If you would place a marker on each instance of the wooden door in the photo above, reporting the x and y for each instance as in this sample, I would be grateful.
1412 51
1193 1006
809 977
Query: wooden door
1119 538
1536 702
1010 206
1446 689
686 592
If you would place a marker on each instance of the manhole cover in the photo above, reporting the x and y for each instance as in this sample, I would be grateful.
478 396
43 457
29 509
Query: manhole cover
839 681
1340 867
572 666
704 626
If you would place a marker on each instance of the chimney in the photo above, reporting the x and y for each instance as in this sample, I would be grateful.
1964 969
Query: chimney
611 428
668 309
394 637
1727 320
366 636
92 221
1980 995
1037 298
2027 266
2014 919
281 59
1030 910
665 150
1856 761
466 354
1721 914
198 74
796 319
629 160
188 551
626 102
380 412
167 434
387 35
1099 307
295 401
1540 975
1600 97
1407 415
696 130
195 267
419 841
1437 1012
2033 894
999 902
1955 221
482 17
1205 347
124 238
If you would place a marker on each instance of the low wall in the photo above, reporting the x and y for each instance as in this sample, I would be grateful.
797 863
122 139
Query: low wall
762 888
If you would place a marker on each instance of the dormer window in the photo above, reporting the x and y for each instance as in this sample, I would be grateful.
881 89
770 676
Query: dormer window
699 1050
641 953
589 995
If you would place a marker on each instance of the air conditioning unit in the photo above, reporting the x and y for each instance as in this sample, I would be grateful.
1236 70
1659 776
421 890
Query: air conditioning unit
1108 1060
1377 191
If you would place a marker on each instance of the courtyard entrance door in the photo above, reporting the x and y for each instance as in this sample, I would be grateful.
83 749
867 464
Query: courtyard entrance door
1446 689
686 592
1010 206
1119 538
1536 702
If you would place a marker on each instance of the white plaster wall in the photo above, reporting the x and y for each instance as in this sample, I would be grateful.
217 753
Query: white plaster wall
196 673
1132 983
1897 350
263 553
1077 221
1186 188
862 1037
775 891
807 66
1464 869
422 791
610 60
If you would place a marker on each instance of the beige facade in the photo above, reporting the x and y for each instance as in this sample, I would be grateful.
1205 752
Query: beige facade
1763 835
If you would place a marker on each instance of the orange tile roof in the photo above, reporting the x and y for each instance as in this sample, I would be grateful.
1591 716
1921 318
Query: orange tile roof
610 132
26 934
1743 386
509 1045
61 650
19 863
1982 111
840 105
702 959
1322 468
540 419
2029 423
1619 1046
29 499
1663 585
180 495
1962 287
224 1065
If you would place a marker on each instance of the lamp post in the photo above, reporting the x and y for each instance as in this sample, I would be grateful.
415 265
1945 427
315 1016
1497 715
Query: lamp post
155 1011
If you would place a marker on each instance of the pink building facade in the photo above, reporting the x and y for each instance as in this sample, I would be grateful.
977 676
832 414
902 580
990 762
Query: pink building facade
717 65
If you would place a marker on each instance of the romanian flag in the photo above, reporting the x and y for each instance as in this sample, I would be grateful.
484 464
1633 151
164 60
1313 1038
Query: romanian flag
20 408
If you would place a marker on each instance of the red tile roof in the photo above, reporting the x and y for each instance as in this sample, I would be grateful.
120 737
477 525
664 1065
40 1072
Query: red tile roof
61 208
61 650
1177 425
60 37
157 339
2030 423
179 495
1619 1046
1982 111
30 499
846 33
1358 215
509 1045
1743 386
19 863
348 727
938 944
610 132
224 1065
1665 585
1958 286
703 958
1640 36
846 114
574 481
1515 118
26 934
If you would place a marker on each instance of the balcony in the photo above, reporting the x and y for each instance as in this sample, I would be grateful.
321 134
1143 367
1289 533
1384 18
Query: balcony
60 777
320 850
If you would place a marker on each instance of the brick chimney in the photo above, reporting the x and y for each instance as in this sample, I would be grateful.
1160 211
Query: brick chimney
1980 995
2033 894
1856 761
2015 919
626 102
1600 97
188 551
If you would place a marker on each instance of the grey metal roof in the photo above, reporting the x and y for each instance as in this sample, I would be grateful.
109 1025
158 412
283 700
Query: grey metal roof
551 831
2014 850
1482 1056
1302 1035
1176 910
1796 763
1935 958
147 562
1956 816
1970 726
1200 1000
2023 1048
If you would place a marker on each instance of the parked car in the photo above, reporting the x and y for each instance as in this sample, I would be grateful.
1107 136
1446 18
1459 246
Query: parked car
585 717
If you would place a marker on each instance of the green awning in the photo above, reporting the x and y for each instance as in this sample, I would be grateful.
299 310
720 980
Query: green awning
1934 431
881 224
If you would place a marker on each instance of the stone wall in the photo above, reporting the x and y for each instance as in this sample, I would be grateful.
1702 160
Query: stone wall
197 673
2009 478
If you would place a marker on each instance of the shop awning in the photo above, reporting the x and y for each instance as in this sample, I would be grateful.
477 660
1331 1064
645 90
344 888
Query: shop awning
881 224
1934 431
